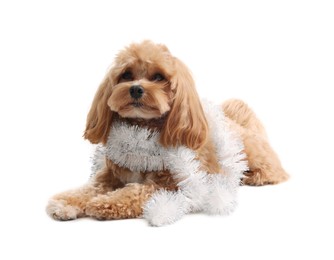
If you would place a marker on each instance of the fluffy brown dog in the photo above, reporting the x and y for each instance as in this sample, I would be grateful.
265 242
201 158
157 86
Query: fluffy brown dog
150 88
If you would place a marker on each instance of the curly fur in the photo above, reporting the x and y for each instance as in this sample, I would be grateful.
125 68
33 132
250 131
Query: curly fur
168 105
137 149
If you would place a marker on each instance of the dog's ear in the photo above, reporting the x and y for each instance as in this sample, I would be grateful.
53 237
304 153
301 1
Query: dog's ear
99 118
186 123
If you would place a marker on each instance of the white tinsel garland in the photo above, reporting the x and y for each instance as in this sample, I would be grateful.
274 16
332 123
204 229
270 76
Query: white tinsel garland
138 149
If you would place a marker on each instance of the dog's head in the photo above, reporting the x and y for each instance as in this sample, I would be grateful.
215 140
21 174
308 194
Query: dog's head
147 83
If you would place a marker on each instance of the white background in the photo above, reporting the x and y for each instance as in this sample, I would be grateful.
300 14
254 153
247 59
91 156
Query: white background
276 55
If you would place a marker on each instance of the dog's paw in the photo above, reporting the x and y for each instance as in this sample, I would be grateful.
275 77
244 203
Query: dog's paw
165 207
61 210
260 177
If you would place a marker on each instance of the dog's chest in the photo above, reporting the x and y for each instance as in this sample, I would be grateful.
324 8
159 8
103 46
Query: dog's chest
136 149
131 177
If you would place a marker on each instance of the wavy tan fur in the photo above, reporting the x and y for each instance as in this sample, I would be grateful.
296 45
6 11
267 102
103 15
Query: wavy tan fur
170 106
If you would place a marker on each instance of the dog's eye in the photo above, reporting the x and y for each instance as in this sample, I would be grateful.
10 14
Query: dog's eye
158 77
127 76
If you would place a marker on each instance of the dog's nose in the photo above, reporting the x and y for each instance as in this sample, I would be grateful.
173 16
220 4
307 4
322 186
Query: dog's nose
136 91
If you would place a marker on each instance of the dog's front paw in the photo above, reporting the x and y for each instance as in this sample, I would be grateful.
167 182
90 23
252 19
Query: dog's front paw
61 210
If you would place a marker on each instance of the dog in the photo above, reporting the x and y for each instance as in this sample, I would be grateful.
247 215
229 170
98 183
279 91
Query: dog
149 88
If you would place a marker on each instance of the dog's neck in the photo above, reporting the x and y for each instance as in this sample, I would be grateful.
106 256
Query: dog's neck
154 124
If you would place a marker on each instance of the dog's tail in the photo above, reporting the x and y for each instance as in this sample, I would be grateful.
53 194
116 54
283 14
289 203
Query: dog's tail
243 115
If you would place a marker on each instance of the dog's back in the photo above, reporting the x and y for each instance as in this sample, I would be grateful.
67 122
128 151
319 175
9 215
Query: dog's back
243 115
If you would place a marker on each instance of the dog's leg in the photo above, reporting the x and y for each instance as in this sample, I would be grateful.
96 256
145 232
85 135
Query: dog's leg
72 204
122 203
264 164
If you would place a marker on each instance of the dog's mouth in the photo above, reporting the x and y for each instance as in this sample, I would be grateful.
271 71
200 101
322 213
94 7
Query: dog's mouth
137 104
140 109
